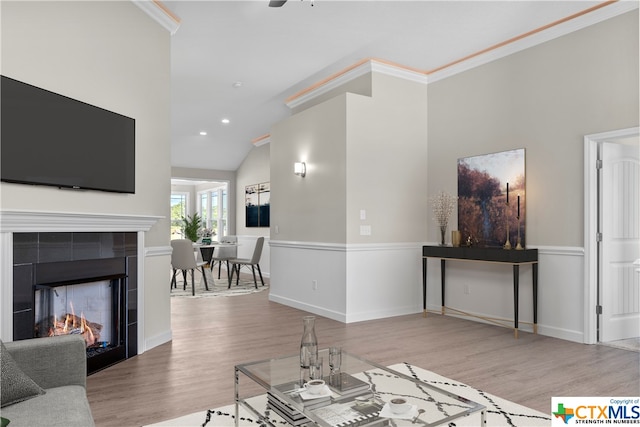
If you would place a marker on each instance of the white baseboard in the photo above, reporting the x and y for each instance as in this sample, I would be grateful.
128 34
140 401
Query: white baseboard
157 340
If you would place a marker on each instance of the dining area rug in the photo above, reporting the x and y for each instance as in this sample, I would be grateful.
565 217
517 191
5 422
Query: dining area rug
499 412
217 287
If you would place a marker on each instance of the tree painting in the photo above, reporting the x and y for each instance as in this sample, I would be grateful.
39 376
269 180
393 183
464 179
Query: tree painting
483 212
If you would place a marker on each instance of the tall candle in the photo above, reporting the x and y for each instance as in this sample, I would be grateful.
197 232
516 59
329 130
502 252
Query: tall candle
507 193
518 207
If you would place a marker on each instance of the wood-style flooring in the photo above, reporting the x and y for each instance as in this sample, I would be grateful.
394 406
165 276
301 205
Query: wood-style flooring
210 335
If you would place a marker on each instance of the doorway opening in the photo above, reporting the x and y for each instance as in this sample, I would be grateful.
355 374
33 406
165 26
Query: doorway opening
211 200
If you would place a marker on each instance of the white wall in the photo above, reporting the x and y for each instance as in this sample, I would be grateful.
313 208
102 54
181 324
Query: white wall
109 54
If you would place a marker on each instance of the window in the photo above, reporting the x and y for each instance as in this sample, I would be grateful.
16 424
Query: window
178 211
213 208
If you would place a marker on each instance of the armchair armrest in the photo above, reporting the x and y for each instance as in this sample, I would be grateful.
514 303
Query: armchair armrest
53 361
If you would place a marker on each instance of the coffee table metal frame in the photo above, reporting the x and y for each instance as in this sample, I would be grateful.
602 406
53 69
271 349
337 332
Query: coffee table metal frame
272 372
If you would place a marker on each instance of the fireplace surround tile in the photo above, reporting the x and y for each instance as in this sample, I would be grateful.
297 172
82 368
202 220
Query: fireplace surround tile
55 247
25 248
61 257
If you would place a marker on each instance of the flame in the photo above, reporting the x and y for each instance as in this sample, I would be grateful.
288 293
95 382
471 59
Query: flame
73 324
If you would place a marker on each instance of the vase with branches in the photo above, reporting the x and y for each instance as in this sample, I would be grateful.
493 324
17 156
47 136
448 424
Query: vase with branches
443 205
191 226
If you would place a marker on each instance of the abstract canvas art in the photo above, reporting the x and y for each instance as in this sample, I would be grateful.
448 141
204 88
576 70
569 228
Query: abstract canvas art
257 199
491 199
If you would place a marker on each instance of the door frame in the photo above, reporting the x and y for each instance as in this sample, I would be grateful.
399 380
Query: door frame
591 268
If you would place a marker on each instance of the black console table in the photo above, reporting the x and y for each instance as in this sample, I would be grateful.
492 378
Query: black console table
514 257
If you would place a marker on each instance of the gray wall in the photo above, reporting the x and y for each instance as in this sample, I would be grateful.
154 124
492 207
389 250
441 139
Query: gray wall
544 99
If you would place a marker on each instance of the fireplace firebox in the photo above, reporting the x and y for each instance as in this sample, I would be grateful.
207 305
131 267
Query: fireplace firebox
93 295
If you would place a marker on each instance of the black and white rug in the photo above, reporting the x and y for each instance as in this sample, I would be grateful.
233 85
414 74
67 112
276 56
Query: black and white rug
217 287
500 412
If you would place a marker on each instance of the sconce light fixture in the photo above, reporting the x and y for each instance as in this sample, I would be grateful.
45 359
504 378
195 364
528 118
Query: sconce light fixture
300 168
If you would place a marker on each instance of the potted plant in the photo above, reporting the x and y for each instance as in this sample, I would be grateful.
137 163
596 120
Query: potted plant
192 225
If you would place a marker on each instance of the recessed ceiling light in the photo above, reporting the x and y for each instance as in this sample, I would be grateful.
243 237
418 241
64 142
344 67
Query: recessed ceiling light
203 133
225 121
237 84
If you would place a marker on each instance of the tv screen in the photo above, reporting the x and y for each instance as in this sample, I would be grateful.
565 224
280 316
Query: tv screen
50 139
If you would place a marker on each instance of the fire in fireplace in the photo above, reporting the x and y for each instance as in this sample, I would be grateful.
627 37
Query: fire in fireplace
87 309
78 283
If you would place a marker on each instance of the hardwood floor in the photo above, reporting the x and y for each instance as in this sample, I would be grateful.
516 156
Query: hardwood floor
211 335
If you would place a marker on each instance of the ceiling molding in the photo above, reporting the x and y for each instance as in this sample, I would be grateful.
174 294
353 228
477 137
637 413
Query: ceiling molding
359 69
578 21
159 13
575 22
261 140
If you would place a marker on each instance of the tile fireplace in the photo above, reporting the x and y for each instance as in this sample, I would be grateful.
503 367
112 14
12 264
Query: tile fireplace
78 283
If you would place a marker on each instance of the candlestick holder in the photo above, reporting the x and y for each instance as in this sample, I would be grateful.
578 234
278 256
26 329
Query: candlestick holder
519 245
507 245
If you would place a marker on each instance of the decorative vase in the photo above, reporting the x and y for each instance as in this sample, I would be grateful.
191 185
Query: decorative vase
456 237
309 342
443 233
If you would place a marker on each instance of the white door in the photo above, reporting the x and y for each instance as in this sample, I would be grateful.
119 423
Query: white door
620 280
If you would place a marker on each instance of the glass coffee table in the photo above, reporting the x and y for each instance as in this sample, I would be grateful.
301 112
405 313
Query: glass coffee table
358 396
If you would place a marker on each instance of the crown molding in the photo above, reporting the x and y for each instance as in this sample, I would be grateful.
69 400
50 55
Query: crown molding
359 69
159 13
261 140
544 34
586 18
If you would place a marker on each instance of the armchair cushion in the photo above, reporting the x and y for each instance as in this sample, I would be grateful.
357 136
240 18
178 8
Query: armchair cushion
16 385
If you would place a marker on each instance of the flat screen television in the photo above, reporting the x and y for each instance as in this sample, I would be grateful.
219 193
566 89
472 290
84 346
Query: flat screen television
51 139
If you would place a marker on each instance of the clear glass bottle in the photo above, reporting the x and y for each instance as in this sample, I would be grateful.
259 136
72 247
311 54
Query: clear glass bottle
309 342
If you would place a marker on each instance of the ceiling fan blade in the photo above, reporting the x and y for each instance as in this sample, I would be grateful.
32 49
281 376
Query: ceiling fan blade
277 3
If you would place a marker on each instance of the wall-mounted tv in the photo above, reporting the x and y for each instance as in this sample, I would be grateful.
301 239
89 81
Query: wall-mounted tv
51 139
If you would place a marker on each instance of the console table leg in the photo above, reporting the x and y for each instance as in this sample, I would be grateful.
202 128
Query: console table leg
516 288
442 264
534 274
424 287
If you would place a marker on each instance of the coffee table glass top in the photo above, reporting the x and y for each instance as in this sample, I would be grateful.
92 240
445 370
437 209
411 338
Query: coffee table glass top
365 404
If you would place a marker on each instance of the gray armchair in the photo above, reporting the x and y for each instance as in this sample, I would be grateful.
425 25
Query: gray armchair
59 366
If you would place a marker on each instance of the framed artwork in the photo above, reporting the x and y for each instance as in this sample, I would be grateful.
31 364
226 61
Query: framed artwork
257 199
491 199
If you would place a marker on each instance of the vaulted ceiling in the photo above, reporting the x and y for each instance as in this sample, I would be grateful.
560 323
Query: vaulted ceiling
240 60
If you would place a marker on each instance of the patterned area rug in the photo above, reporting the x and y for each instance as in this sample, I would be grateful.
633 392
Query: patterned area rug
500 412
217 287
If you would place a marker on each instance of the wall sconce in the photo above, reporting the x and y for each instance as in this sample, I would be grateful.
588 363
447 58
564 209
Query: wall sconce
300 168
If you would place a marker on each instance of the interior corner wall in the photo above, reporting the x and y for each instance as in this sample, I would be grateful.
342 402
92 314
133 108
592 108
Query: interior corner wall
387 162
253 170
363 153
544 99
113 55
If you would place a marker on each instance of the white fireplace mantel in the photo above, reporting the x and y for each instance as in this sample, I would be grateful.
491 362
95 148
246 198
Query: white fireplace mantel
20 221
26 221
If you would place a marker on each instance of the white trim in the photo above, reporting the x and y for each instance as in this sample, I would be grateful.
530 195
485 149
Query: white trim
578 23
159 15
152 251
365 68
591 144
41 221
140 292
262 141
157 340
554 32
344 247
6 292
